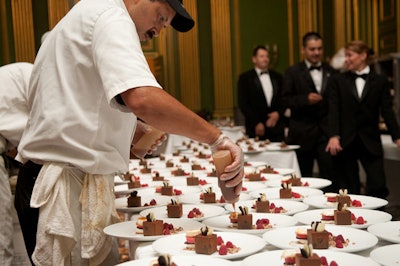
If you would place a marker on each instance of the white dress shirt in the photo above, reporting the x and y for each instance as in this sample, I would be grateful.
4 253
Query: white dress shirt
316 76
266 85
360 82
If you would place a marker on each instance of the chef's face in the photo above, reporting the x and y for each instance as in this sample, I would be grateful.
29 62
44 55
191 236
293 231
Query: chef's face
150 16
313 51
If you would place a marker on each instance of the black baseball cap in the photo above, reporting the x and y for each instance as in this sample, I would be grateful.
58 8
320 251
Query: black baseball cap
182 21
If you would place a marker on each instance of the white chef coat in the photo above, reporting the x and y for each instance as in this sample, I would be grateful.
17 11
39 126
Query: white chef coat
79 70
14 80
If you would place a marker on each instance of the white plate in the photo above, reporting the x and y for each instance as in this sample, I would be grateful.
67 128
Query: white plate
387 255
366 201
207 210
118 180
185 190
285 238
290 206
195 260
175 245
121 204
255 151
389 231
273 193
312 182
222 223
127 230
370 217
273 147
274 258
248 186
195 198
284 171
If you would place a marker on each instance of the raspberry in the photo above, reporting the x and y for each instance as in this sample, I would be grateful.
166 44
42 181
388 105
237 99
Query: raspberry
296 195
229 244
333 263
278 210
153 202
360 220
272 206
324 261
220 241
339 244
306 184
166 231
356 203
339 238
177 192
222 199
223 250
353 217
191 214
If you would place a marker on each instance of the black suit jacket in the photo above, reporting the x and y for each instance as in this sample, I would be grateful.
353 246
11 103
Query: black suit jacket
253 105
308 123
351 116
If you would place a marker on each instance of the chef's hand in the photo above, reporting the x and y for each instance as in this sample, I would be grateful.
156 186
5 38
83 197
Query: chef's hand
142 129
233 174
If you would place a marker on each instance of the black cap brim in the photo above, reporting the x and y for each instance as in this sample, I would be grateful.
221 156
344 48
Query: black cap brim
182 21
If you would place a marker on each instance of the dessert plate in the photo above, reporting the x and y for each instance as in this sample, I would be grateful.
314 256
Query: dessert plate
290 206
207 210
387 255
285 238
175 245
121 204
389 231
222 223
118 180
195 260
274 258
127 230
367 202
277 147
273 193
194 198
370 217
248 186
312 182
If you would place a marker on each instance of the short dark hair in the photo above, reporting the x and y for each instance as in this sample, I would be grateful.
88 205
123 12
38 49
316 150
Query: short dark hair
258 47
312 35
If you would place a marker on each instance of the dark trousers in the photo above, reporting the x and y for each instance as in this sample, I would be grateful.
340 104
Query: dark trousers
306 161
346 173
28 217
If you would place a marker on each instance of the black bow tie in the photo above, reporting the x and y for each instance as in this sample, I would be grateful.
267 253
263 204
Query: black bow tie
363 76
264 72
314 68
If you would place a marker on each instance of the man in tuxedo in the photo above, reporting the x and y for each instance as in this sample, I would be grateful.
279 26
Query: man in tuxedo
305 95
260 98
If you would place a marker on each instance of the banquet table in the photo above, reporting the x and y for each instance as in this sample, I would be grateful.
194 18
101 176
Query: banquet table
277 159
144 249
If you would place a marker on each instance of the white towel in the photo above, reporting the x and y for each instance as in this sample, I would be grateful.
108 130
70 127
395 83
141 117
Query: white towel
56 235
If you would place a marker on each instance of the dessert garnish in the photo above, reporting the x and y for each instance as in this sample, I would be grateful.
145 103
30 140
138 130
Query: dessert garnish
262 197
150 217
286 185
244 210
163 260
134 194
344 207
174 202
306 251
343 192
208 190
318 226
165 184
204 230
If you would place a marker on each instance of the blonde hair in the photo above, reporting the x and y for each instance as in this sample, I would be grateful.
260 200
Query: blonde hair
360 47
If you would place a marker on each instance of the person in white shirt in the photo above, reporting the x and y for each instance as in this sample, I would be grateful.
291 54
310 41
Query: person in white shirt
259 96
89 85
13 116
357 98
